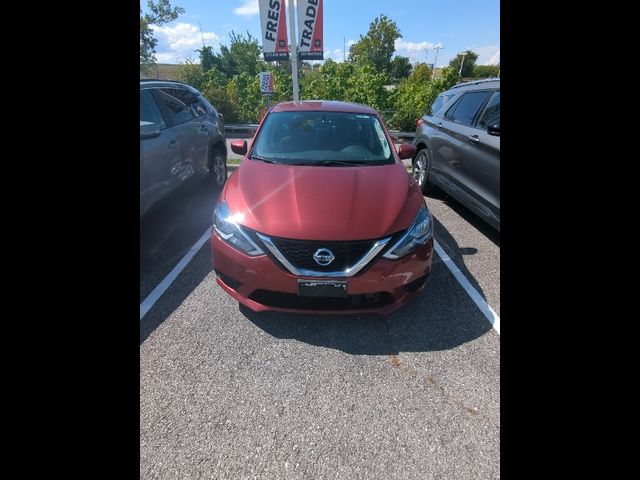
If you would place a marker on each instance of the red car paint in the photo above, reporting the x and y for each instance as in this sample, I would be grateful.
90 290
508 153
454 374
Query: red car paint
324 204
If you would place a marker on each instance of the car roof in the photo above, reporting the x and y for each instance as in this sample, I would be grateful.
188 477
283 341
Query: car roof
324 106
485 83
153 82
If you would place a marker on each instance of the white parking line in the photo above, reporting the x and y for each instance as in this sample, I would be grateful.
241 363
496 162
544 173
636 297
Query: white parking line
157 292
484 307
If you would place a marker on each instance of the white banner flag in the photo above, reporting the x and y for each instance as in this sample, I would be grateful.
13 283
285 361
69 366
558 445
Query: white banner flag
273 19
310 45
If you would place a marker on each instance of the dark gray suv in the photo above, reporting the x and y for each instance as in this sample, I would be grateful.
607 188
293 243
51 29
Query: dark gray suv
181 137
458 147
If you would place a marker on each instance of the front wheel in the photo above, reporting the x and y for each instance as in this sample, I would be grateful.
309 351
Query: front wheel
218 167
420 171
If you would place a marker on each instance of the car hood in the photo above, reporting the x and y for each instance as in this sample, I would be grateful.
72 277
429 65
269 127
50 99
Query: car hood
322 202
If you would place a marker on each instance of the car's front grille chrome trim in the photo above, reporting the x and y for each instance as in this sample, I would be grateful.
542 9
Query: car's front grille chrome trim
349 272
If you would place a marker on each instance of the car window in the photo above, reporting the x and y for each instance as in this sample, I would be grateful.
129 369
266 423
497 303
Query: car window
491 114
150 116
440 102
199 108
465 109
322 137
176 104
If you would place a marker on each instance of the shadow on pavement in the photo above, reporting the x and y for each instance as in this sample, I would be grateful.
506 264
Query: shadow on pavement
440 317
185 284
483 227
171 228
456 253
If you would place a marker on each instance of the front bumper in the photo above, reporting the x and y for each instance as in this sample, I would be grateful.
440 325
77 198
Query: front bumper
261 285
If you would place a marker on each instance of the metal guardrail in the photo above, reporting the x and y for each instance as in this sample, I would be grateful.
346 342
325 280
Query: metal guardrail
399 135
250 128
247 128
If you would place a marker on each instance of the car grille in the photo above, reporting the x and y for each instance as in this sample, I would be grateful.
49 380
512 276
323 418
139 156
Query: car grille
300 253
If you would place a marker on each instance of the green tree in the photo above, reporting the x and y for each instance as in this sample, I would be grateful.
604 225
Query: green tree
347 82
160 12
422 72
485 71
191 74
207 58
244 54
416 93
400 68
378 45
469 62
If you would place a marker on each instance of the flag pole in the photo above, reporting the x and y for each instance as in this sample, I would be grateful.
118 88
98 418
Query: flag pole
294 49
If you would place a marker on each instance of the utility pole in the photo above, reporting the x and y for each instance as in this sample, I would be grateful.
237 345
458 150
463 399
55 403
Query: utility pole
462 64
435 62
294 49
344 49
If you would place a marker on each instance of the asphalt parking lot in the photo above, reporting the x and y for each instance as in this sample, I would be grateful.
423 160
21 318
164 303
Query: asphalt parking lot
227 393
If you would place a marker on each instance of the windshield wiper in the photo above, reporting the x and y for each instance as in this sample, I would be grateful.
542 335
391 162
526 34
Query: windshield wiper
334 162
261 158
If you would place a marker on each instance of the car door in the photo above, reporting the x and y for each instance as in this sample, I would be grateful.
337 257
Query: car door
455 148
159 150
208 127
483 164
178 116
174 105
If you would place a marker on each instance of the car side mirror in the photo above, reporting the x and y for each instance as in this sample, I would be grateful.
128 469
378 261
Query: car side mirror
407 150
494 130
239 147
149 134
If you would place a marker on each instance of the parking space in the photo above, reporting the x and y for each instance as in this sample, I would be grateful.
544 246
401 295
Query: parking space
225 392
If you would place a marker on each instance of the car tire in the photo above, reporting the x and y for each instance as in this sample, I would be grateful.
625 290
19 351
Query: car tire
218 166
420 171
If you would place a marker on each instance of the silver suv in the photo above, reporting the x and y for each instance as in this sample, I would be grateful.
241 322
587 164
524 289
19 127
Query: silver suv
458 147
181 137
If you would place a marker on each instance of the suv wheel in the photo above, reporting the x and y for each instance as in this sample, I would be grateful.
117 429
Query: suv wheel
218 166
420 171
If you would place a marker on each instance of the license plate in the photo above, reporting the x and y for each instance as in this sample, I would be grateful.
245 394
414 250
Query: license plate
322 288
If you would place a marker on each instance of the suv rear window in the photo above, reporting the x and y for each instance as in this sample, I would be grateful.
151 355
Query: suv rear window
317 138
440 102
466 108
491 114
176 102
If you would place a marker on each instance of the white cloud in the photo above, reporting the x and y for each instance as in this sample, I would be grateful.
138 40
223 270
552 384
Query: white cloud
248 8
179 42
251 7
335 55
417 52
488 55
350 42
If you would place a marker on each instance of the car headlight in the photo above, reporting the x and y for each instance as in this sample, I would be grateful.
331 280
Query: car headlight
417 234
227 227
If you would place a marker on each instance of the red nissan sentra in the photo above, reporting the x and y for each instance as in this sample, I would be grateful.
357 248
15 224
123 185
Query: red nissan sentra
321 215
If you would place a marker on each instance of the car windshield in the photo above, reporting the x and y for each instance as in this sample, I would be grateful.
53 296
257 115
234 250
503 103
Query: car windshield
322 138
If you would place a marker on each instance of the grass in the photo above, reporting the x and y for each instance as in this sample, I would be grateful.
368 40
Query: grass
166 71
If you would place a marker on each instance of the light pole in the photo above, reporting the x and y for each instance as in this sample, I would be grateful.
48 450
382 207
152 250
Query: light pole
462 63
435 62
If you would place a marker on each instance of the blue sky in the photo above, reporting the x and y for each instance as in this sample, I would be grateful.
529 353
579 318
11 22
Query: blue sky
455 25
